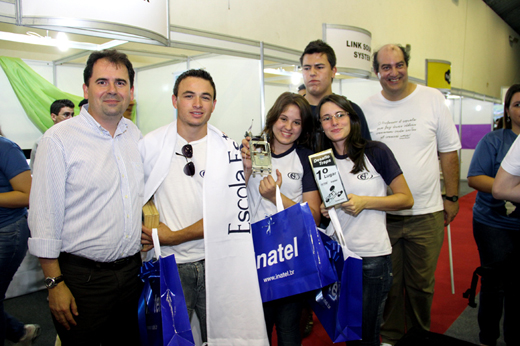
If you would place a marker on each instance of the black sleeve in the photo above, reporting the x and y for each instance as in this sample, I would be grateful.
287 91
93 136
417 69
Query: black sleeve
383 161
364 126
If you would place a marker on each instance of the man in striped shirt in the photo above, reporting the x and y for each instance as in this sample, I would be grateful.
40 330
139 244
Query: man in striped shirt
85 216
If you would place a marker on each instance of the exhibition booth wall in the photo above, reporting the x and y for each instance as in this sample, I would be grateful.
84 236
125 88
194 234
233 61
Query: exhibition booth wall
238 102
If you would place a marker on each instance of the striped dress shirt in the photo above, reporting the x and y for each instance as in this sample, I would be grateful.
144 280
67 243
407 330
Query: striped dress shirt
87 191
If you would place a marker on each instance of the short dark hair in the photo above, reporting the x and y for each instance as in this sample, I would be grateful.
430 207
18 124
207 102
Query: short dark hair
112 55
355 143
82 102
57 105
282 102
375 63
507 102
319 46
197 73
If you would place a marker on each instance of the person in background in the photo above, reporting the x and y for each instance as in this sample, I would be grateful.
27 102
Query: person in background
60 110
507 181
15 187
82 103
302 90
496 228
290 129
366 169
86 210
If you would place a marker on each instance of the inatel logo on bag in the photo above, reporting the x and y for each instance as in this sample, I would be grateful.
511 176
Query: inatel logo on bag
280 254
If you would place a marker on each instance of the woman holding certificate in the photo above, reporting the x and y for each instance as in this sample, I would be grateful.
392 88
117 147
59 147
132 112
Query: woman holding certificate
367 169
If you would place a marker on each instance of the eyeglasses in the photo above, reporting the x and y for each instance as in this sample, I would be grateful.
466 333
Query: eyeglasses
328 118
187 152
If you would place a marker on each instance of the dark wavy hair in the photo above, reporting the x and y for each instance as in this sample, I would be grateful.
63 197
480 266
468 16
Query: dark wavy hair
507 102
282 102
375 63
112 55
355 144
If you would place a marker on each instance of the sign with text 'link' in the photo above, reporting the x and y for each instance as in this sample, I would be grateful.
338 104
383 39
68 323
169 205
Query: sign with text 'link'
352 46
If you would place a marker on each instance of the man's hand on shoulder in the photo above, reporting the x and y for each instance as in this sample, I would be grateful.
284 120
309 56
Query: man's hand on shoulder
450 211
63 305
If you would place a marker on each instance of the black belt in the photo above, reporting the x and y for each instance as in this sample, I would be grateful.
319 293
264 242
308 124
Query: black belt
88 263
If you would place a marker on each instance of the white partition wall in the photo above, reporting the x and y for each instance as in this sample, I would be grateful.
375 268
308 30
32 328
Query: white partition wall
238 93
272 92
357 90
153 92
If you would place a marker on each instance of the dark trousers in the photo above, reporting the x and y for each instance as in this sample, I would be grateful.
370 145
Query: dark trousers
107 300
498 251
285 314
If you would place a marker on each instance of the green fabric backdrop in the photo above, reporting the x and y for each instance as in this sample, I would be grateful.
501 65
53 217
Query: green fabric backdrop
35 93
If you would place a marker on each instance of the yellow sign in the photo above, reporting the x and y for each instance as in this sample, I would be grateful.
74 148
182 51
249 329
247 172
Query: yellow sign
438 74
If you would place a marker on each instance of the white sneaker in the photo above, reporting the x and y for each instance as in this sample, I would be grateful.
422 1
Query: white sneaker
32 331
386 344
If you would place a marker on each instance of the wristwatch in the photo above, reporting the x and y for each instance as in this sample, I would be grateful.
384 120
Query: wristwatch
452 198
51 282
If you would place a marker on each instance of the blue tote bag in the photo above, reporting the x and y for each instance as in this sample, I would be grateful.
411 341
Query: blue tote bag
162 313
290 255
339 306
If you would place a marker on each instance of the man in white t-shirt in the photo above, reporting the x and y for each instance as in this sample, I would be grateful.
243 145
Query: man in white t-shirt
194 173
507 181
415 123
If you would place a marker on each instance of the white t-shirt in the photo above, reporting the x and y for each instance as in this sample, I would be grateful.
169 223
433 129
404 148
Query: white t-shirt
511 162
184 207
366 234
415 129
297 178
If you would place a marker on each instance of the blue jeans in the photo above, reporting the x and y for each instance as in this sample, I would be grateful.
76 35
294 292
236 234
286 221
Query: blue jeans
285 314
498 251
377 279
193 282
13 247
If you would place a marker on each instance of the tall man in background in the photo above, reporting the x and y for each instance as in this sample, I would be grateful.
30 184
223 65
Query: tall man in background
318 62
85 218
415 123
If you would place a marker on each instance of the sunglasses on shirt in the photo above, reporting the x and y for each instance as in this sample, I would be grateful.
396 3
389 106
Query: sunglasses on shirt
187 152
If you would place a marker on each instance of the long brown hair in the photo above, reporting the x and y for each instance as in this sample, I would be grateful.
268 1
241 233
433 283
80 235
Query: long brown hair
282 102
354 143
